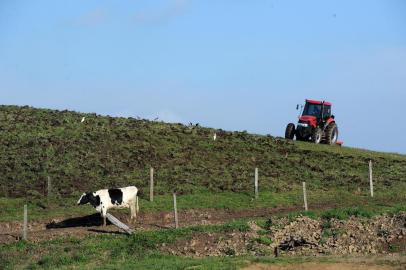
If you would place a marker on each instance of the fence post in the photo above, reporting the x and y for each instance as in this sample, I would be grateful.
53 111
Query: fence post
25 223
256 183
151 184
175 209
305 196
371 184
49 187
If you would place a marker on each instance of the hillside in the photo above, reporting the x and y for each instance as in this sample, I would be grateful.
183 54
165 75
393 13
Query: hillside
105 152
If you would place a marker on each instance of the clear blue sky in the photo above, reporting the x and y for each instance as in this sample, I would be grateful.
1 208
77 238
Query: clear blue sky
236 65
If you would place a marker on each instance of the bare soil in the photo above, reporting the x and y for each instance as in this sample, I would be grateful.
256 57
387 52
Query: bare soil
323 266
300 237
381 234
92 224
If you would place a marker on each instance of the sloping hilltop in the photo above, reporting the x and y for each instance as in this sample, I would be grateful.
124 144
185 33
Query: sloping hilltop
221 225
105 151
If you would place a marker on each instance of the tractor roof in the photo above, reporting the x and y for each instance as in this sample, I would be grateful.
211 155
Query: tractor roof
318 102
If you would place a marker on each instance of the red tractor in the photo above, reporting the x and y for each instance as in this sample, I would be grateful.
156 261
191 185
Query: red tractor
316 124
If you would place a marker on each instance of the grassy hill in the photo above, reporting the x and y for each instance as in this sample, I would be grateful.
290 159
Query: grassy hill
214 177
106 152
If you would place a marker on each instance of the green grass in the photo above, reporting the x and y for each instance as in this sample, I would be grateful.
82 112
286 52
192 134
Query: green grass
108 251
339 198
111 152
264 240
12 209
347 212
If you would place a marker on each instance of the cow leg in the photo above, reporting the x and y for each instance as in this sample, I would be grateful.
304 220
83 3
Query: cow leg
104 213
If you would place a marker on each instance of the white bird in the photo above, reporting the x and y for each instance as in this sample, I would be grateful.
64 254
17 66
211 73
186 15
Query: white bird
214 136
83 119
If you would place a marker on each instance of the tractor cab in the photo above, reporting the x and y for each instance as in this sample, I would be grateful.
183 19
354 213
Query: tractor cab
316 123
316 112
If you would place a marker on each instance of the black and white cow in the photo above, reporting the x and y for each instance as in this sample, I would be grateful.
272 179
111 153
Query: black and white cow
105 199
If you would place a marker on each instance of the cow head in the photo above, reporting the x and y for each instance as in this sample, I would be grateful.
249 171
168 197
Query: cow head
89 197
84 199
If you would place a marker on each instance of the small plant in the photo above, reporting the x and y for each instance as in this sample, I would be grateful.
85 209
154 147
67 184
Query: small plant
236 226
229 251
268 223
394 248
310 214
44 261
383 233
264 240
326 225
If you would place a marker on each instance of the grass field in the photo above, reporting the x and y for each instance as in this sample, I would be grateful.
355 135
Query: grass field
40 209
111 152
108 152
109 250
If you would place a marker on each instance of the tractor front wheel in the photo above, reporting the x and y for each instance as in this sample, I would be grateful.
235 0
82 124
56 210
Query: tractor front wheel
331 133
317 135
290 131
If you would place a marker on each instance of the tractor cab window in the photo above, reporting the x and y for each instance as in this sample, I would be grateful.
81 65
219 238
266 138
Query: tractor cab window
327 111
312 109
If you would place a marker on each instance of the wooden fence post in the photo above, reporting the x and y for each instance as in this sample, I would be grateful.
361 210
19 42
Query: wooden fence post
305 196
256 183
371 184
118 223
151 184
49 187
25 223
175 209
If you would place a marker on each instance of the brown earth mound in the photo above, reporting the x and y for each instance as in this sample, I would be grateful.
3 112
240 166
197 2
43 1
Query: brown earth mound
321 266
303 236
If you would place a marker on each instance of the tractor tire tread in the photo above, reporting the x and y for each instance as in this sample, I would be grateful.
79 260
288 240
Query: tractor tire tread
329 133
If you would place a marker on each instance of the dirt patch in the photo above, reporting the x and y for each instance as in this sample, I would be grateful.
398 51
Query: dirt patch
321 266
233 243
84 225
300 237
210 244
305 236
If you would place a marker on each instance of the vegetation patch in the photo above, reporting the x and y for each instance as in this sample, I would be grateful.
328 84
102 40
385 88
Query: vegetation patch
111 152
346 213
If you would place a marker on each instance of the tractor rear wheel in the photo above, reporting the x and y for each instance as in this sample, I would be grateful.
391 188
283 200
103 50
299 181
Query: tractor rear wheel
317 135
331 134
290 131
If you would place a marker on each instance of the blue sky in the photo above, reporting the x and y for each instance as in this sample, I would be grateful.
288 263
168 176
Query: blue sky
236 65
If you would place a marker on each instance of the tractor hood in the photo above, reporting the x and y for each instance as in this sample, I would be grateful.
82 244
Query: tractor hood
312 120
307 118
